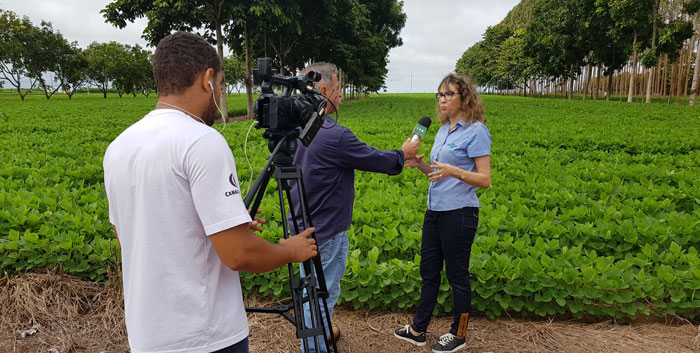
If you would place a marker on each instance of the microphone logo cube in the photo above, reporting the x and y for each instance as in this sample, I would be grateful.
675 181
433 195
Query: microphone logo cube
420 130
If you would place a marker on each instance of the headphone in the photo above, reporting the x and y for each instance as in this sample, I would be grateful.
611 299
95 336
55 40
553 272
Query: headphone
213 96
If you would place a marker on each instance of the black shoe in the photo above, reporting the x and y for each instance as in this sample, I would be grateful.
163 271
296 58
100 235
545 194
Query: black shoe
406 335
449 343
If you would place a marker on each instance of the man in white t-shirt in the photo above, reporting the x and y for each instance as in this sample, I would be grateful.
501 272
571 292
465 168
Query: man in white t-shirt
175 203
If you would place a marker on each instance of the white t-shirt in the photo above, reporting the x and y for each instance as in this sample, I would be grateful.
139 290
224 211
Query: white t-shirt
171 181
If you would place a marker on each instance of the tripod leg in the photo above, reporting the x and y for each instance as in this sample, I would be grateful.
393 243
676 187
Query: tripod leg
318 265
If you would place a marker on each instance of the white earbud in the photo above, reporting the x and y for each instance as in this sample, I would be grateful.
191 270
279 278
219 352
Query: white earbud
213 96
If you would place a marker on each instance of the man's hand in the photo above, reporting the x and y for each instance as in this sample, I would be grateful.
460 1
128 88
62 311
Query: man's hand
255 224
302 247
410 149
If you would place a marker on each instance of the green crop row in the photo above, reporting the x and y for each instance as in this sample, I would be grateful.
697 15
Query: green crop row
594 207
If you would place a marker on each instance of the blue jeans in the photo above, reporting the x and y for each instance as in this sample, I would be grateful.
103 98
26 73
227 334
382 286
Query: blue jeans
240 347
334 256
448 238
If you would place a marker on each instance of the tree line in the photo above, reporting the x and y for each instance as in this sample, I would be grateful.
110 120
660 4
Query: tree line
591 47
46 60
356 35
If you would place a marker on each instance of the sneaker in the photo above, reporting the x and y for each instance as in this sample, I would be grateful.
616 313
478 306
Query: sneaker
406 335
449 343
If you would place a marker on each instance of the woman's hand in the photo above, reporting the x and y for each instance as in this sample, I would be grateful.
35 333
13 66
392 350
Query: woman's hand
442 171
415 162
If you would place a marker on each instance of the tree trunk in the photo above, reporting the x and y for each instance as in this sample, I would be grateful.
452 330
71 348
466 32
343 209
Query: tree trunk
587 81
19 91
670 89
696 74
657 79
649 82
664 81
609 89
630 92
341 82
679 76
248 73
571 82
597 83
223 104
653 47
686 79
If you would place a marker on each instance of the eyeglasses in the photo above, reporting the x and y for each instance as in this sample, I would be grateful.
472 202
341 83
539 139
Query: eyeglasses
447 95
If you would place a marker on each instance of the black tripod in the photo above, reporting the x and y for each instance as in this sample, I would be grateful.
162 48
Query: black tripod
280 162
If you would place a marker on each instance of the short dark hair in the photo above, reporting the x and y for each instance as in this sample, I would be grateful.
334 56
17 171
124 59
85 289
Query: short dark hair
179 58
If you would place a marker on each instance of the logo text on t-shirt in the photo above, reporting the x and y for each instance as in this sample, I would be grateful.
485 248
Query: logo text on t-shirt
235 190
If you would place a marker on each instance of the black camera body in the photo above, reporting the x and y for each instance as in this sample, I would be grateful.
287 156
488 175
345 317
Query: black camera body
284 114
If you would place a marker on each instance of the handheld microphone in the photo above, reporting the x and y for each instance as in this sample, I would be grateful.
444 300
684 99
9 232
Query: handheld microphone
421 128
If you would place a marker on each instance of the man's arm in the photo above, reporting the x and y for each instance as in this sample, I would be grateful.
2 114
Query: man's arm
358 155
241 249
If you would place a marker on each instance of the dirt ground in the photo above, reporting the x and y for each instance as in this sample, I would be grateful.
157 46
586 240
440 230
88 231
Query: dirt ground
55 313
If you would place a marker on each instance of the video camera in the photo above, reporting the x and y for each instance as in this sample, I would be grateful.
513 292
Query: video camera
284 114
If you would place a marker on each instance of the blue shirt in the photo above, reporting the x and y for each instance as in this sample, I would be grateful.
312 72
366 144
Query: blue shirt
328 170
458 148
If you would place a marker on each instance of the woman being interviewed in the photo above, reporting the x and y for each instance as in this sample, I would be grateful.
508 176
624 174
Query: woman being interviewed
461 163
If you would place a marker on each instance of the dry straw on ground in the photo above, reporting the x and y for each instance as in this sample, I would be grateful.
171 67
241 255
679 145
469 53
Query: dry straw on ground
57 313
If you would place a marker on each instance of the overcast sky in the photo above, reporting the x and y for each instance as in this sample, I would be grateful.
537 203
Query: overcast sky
434 38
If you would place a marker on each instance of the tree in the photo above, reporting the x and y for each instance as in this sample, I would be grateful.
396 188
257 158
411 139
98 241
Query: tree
607 43
480 61
143 70
131 69
17 40
632 19
557 38
692 7
103 63
167 15
72 70
234 68
513 67
650 56
49 52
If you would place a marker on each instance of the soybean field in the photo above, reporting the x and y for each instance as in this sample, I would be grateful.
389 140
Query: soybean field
593 211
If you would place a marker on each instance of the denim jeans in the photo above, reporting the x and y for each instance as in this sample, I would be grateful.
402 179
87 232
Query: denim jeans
240 347
334 256
448 237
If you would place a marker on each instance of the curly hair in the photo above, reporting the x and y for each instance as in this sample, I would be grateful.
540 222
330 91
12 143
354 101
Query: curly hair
178 60
471 106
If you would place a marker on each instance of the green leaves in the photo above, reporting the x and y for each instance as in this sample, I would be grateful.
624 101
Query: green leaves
591 211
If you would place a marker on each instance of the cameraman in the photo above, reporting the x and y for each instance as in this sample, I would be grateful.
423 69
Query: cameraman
328 167
176 206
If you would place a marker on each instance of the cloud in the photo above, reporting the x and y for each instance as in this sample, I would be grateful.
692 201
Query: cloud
77 20
435 36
